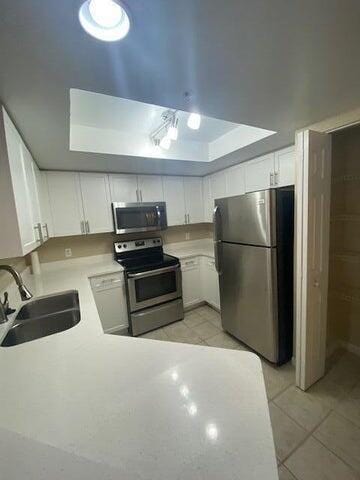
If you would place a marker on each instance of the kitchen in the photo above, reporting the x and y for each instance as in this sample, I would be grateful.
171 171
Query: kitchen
137 232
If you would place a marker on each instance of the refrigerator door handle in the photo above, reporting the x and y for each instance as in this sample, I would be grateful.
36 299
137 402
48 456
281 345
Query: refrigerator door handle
217 240
216 215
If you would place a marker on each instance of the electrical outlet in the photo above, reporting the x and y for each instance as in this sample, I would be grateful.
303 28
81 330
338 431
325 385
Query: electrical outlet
187 236
68 252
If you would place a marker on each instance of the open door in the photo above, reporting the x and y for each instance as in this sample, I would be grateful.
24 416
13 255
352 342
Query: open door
313 182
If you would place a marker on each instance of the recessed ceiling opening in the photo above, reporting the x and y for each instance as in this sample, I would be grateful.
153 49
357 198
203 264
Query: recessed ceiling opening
112 125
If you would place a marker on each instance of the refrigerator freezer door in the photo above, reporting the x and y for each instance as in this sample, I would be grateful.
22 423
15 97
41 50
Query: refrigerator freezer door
248 296
248 219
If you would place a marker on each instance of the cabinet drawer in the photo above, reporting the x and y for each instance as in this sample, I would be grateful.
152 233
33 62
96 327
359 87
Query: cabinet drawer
188 263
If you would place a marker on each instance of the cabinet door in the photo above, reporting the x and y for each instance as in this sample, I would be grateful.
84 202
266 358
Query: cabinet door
235 180
210 282
150 188
21 169
217 186
65 203
191 282
207 200
44 201
175 200
285 167
194 199
123 188
259 173
95 194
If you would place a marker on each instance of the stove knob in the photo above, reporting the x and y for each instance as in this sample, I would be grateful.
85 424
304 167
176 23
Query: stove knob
125 246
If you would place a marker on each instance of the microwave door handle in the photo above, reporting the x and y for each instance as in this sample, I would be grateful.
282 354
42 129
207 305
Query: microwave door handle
158 212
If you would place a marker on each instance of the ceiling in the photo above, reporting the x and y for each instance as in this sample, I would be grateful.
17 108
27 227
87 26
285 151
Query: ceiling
278 65
106 124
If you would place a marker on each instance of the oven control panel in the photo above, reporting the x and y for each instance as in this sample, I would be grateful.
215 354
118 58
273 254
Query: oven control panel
128 246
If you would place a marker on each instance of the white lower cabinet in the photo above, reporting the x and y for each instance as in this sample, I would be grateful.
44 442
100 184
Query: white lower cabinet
210 282
192 294
200 282
110 298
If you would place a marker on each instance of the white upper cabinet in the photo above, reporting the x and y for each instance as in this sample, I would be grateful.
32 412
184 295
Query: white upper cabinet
65 203
96 201
285 167
193 200
19 203
45 213
150 188
207 200
175 200
124 188
217 185
259 173
235 180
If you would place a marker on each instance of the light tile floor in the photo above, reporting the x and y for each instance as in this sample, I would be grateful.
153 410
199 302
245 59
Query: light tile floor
317 433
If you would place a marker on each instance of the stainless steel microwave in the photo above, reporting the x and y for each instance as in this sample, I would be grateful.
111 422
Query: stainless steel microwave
139 217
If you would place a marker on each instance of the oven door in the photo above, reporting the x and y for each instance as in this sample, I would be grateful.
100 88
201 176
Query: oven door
147 289
139 217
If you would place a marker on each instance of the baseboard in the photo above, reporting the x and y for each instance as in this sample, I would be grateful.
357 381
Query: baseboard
355 349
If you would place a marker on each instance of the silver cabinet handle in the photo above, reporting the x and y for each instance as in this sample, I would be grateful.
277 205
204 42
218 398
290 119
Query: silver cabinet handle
185 219
141 197
46 236
188 218
277 175
39 229
82 227
271 179
87 226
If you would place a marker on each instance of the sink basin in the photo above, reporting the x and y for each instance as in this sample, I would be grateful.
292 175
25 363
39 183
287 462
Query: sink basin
41 327
44 316
49 304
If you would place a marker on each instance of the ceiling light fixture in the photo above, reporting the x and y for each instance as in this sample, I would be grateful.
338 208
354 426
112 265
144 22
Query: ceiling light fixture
194 121
173 131
165 142
105 20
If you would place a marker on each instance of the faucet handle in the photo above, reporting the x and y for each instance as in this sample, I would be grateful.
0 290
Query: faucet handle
6 306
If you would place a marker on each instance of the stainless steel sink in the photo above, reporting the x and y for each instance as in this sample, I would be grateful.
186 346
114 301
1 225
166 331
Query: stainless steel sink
49 304
44 316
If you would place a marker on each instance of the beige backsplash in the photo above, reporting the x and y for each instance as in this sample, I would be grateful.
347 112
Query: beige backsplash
89 245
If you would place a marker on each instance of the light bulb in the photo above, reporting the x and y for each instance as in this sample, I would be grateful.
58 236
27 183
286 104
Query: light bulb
156 147
106 20
165 142
194 121
173 132
105 13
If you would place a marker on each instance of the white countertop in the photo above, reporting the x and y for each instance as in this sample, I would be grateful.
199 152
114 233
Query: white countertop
84 405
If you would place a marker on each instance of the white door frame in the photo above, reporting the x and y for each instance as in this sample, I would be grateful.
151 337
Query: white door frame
303 357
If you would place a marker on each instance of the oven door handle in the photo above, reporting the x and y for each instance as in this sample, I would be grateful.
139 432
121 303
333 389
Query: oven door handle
151 273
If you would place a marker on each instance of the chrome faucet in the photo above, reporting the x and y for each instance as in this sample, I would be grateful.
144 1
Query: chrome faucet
24 292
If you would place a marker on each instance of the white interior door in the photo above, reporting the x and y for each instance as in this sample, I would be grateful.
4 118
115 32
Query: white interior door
194 199
313 154
150 188
175 200
96 202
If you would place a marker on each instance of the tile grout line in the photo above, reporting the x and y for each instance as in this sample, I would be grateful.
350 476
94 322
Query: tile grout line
310 433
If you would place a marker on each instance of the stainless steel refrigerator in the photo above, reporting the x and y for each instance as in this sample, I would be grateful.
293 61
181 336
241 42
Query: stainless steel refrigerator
254 236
